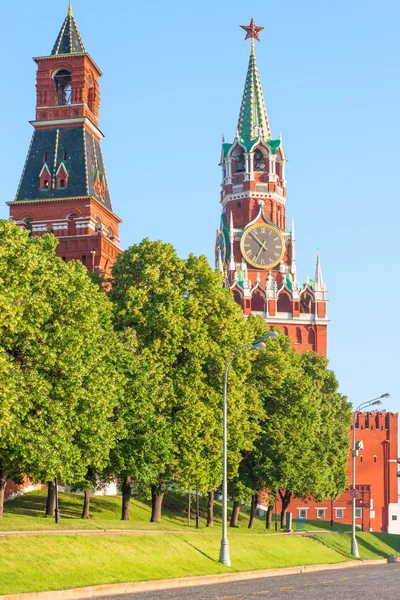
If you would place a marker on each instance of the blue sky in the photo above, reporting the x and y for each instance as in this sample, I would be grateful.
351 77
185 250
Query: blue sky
173 80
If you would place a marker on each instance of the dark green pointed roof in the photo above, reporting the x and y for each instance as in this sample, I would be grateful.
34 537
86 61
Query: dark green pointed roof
69 39
253 118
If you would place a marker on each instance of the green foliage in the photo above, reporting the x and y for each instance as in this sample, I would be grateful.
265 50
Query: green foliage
58 362
304 441
186 324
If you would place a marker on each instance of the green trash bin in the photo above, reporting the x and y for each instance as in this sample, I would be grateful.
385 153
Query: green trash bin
300 524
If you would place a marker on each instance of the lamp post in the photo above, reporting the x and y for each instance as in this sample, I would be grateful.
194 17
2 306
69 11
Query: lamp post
355 447
224 556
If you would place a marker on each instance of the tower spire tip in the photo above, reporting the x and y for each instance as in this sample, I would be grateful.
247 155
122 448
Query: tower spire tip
70 14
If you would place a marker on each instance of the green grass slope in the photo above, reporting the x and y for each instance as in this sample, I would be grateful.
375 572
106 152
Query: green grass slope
370 545
39 563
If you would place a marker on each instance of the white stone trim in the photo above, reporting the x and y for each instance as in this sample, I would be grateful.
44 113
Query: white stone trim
252 194
78 120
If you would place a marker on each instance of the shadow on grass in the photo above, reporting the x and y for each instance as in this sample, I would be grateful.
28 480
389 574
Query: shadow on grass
393 541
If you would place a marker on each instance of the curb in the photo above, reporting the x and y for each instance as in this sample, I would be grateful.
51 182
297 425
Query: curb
100 591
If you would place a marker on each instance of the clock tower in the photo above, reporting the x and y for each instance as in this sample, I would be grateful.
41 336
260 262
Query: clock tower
63 187
254 249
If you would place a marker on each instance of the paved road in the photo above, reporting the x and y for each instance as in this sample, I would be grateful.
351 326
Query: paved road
381 582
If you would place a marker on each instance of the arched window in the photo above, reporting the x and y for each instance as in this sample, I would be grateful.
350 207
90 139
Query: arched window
241 163
285 331
284 303
91 94
83 260
110 233
305 303
361 458
375 458
237 297
72 223
258 302
64 259
45 184
62 184
98 226
299 338
311 336
63 89
259 161
28 223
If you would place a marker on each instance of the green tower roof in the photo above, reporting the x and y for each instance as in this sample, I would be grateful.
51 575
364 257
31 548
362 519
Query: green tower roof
69 39
253 119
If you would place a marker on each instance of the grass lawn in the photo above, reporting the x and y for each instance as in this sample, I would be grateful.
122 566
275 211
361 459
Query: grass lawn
39 563
370 545
27 513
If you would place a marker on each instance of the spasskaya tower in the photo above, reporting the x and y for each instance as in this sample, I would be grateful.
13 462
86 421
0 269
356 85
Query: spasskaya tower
254 249
63 187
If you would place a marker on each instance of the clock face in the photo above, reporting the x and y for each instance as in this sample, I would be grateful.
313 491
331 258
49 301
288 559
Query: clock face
262 246
220 247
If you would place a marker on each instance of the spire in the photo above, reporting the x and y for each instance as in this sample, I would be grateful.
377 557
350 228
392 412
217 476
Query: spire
253 118
69 39
318 281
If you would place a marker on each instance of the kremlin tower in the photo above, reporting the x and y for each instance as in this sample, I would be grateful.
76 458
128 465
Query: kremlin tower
254 249
63 187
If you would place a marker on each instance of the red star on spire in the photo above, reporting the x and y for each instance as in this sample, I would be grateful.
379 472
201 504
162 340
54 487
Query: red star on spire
252 31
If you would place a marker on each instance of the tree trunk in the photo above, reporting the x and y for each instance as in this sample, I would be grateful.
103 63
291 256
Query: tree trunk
86 505
253 508
51 499
235 514
3 482
157 496
210 509
285 499
268 522
126 498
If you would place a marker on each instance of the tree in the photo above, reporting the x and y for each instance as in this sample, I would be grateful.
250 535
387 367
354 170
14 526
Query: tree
58 341
302 450
186 325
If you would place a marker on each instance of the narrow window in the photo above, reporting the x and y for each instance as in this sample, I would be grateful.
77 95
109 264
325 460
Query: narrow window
361 458
84 260
239 205
46 184
63 90
375 459
241 163
62 183
299 339
284 303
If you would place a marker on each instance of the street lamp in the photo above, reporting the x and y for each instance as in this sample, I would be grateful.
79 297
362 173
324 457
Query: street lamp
224 556
355 448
